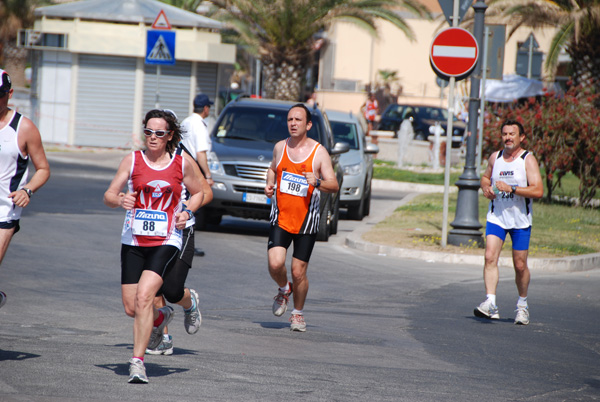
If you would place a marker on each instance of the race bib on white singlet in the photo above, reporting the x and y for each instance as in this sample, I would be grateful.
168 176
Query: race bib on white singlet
294 184
148 222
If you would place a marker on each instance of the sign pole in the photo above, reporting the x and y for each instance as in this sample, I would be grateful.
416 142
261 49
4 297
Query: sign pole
157 103
455 20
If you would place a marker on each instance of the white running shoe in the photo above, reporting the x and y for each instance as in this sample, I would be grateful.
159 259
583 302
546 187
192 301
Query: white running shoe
157 332
487 310
281 302
165 347
137 372
298 323
522 317
193 318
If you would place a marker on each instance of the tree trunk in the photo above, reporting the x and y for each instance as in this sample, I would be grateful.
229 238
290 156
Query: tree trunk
282 81
15 60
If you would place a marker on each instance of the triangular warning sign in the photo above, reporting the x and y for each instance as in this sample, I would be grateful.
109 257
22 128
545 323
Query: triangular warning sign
161 21
160 51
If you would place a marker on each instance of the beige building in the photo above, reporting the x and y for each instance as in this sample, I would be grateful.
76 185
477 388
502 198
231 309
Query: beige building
353 58
92 82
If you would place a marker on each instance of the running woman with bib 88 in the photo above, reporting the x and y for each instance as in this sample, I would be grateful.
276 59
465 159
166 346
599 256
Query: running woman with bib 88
152 231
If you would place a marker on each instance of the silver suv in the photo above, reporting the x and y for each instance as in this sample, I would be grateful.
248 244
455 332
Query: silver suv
242 148
357 163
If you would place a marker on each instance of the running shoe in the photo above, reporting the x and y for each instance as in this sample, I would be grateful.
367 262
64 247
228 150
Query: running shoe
298 323
157 332
281 302
487 310
165 347
2 299
522 317
137 372
193 318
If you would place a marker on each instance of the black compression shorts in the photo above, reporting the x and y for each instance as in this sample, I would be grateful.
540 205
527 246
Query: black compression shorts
303 243
174 279
135 260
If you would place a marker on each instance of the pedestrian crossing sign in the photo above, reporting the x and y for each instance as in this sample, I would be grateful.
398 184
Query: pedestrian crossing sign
160 47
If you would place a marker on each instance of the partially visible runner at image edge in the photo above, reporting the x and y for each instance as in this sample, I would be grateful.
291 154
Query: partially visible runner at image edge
300 170
152 231
21 141
173 287
512 179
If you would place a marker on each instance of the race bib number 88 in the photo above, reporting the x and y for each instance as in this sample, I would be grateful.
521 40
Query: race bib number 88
147 222
294 184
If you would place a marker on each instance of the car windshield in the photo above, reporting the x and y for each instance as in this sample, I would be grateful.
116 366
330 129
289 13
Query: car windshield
345 132
257 124
422 112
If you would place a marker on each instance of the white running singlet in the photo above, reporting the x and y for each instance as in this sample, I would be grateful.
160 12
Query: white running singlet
13 169
510 211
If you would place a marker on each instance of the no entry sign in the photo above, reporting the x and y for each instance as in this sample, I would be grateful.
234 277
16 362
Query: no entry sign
454 53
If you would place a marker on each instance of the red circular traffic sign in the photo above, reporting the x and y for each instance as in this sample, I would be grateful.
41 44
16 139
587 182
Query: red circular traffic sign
454 52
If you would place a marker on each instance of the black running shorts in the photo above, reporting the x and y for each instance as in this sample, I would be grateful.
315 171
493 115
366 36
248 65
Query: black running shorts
135 260
303 243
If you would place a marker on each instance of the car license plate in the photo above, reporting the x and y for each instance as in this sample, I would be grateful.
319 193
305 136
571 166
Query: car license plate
256 198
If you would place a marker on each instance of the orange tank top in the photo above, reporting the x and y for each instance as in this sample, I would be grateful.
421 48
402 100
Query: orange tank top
295 208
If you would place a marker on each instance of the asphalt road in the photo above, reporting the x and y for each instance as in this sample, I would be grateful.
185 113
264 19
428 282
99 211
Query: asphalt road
379 328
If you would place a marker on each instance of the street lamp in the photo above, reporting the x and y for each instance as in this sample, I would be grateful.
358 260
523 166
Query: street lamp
466 224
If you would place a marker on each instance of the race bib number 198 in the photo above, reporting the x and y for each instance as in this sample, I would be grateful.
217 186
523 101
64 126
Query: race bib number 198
294 184
147 222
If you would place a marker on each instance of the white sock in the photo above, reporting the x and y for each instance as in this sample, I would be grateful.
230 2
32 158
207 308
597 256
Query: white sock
522 302
286 288
165 337
492 298
299 312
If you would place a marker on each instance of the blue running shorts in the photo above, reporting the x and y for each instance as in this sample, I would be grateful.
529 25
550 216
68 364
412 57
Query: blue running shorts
519 237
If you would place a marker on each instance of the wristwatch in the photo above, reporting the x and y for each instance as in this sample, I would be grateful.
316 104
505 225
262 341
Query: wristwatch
318 183
190 213
27 191
513 189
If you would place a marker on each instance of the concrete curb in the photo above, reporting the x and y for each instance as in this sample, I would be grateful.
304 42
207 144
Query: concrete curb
354 239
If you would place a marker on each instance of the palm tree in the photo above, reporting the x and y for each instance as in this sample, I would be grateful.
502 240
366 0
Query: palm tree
284 33
14 16
578 23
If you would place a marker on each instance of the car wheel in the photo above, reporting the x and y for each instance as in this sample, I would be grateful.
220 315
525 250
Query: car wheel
419 135
335 216
356 212
367 207
325 222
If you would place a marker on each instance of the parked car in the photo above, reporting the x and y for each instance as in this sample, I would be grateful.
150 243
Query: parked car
242 148
357 163
422 117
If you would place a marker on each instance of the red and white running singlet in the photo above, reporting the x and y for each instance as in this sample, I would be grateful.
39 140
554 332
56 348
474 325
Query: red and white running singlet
295 207
152 221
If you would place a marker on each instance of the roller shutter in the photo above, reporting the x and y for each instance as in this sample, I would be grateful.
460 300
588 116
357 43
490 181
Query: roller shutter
174 87
105 101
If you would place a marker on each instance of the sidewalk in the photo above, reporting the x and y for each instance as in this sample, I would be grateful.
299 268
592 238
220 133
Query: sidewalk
110 158
354 239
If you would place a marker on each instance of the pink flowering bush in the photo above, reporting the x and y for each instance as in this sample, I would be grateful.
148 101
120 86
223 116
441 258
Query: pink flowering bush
562 131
